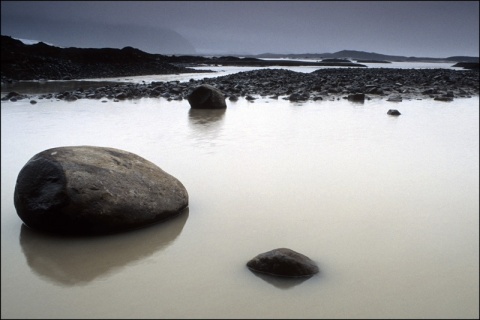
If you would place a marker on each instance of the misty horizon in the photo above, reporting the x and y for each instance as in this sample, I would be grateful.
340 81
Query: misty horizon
31 42
436 29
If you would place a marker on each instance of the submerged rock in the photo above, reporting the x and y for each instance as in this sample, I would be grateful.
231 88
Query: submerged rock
94 190
283 262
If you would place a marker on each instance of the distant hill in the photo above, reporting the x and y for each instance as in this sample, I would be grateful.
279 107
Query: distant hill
463 59
41 61
20 61
362 55
97 34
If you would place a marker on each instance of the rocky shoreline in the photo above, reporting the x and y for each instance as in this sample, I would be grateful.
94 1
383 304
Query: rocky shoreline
344 80
323 84
44 62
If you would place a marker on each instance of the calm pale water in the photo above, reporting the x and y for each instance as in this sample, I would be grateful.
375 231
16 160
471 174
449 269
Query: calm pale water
387 206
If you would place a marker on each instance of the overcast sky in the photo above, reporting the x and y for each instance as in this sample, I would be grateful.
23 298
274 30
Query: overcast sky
409 28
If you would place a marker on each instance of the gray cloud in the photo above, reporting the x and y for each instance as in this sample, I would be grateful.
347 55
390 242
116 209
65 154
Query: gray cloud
419 28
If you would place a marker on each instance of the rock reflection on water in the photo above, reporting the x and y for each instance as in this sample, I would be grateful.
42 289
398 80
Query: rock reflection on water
206 125
71 261
282 282
205 117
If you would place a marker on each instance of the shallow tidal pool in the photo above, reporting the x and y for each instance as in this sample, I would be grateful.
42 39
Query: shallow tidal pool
388 207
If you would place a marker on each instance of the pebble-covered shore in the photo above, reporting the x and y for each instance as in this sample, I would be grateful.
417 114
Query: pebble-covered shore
323 84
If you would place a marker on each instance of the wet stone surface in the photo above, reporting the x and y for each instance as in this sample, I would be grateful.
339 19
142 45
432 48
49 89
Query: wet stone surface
283 262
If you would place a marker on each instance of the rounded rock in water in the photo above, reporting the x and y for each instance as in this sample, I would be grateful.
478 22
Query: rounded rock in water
393 112
207 97
95 190
283 262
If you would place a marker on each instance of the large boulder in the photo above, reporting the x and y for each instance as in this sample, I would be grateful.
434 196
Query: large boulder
207 97
283 262
95 190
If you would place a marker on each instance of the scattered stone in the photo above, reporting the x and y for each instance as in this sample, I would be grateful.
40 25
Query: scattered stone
357 97
283 262
33 102
10 95
331 84
94 190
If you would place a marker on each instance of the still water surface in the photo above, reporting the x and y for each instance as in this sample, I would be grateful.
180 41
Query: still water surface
387 206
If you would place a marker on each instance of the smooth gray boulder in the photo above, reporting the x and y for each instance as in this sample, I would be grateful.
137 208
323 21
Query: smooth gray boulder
95 190
207 97
283 262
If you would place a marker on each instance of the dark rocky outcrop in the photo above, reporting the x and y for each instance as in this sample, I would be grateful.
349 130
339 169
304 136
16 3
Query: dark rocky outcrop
283 262
95 190
468 65
207 97
42 61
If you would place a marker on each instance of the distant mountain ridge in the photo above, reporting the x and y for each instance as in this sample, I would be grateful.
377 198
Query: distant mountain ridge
20 61
96 34
362 55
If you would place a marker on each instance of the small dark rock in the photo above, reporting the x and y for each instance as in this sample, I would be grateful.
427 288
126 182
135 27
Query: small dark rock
393 112
356 97
283 262
121 96
11 95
